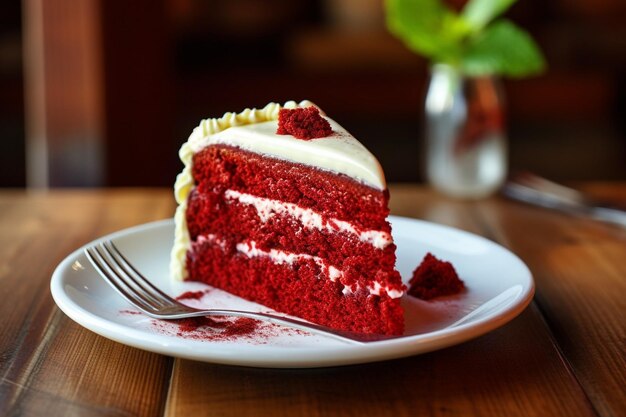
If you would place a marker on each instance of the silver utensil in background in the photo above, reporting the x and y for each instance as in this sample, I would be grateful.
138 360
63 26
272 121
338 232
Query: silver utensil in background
533 189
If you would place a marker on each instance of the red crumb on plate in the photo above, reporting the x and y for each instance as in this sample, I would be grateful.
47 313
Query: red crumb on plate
433 278
191 295
227 328
194 323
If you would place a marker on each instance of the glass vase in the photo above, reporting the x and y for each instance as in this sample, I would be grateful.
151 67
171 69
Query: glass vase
466 144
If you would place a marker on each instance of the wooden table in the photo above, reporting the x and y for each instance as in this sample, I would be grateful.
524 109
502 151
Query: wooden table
563 356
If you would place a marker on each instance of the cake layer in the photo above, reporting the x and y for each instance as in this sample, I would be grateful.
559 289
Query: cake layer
218 168
310 219
251 250
295 287
233 222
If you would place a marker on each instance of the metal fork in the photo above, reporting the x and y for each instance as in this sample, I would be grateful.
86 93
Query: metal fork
532 189
141 293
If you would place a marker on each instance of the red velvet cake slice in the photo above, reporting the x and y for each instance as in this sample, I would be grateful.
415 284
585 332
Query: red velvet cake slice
291 215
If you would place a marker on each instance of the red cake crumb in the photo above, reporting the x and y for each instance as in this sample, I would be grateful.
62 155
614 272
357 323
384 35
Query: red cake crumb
193 323
191 295
239 327
239 330
303 123
434 278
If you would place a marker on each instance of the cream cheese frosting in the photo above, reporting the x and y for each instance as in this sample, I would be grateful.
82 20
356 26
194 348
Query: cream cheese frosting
255 130
340 153
310 219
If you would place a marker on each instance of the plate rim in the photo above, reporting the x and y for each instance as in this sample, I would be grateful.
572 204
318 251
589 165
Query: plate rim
274 356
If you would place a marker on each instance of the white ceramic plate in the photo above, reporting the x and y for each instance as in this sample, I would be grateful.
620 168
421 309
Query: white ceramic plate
499 287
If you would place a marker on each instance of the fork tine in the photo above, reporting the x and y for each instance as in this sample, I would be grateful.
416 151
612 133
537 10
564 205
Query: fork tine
132 272
130 281
126 274
107 271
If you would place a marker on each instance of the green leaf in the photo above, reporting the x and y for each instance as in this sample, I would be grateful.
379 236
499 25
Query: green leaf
503 48
424 26
476 40
478 13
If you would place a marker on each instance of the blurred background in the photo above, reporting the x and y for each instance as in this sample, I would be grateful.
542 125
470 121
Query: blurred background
104 92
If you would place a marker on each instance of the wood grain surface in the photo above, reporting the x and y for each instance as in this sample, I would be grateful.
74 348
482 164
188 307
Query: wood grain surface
564 356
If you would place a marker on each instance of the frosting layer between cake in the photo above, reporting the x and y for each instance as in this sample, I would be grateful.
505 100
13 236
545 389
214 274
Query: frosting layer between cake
266 208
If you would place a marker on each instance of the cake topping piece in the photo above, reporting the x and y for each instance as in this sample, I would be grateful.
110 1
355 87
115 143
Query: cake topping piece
434 278
303 123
